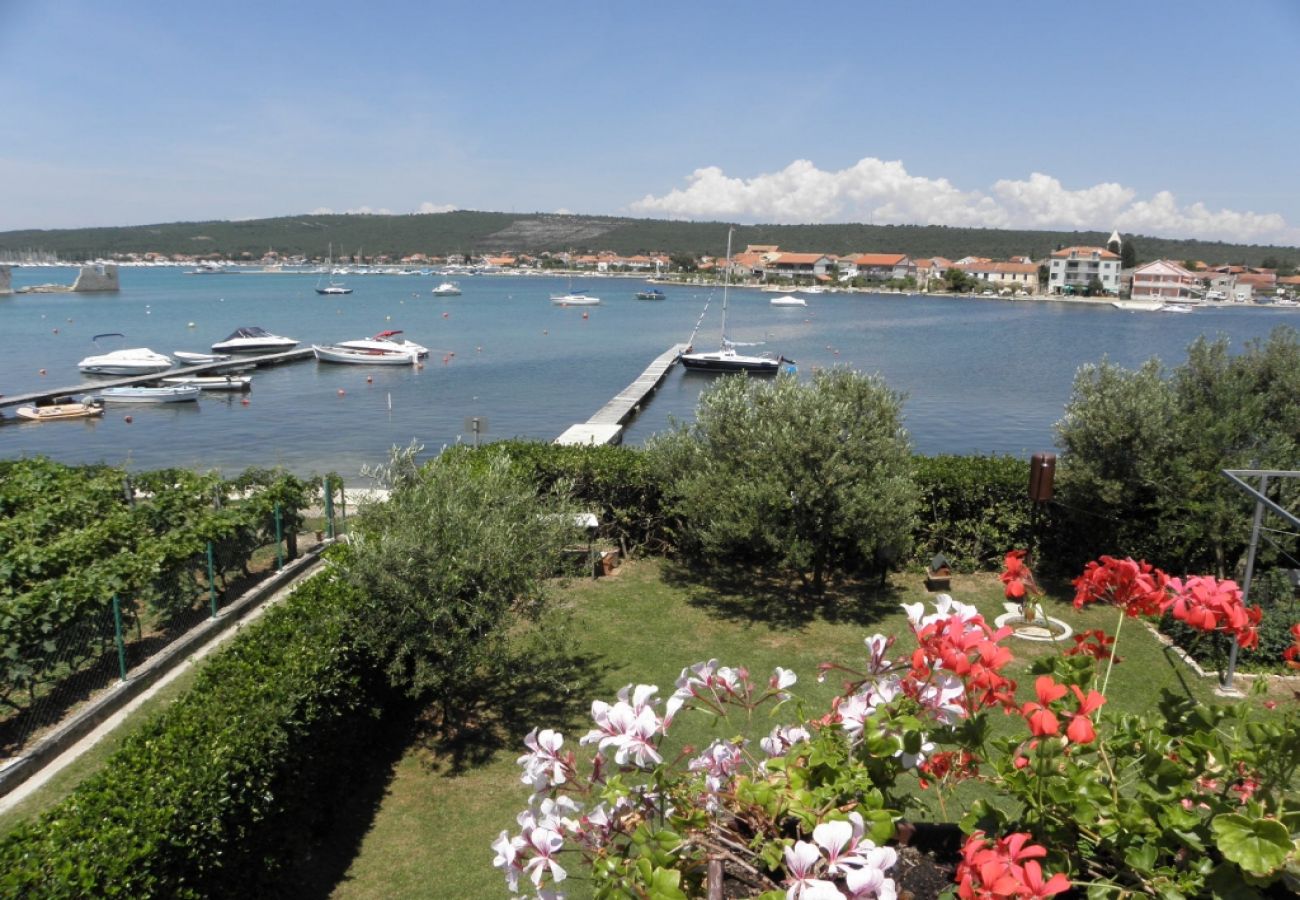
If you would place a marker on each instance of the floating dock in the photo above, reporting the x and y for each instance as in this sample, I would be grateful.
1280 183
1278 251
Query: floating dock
606 426
38 398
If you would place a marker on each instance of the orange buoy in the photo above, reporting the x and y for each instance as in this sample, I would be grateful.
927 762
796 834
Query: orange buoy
127 419
244 401
446 315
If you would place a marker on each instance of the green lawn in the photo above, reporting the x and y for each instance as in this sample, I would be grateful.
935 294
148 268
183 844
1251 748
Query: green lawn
427 834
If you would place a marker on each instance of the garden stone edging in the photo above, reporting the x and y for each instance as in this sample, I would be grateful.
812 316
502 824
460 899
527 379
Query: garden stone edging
142 676
1192 664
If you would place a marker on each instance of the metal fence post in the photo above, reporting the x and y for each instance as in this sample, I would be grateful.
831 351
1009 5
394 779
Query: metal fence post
1245 587
279 548
329 507
121 641
212 582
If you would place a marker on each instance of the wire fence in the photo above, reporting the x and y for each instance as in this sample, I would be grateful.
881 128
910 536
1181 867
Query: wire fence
69 668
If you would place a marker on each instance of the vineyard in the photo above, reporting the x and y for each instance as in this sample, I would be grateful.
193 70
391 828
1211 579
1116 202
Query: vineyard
98 567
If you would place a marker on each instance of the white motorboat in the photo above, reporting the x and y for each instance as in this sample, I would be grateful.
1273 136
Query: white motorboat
1174 308
338 354
196 359
176 393
726 359
213 382
1137 305
447 289
575 298
386 340
333 288
133 361
253 339
788 301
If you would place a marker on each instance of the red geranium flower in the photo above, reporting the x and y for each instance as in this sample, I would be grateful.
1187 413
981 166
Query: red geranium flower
1138 588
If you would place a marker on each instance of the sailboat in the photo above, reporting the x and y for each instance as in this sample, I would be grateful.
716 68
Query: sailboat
333 287
726 359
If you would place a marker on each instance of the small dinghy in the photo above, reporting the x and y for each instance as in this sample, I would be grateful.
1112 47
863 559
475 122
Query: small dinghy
82 410
213 382
176 393
372 357
196 359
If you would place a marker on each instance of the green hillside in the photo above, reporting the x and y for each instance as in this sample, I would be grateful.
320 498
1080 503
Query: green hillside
485 232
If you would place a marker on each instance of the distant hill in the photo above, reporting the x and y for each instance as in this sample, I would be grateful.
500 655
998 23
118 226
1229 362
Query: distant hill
439 234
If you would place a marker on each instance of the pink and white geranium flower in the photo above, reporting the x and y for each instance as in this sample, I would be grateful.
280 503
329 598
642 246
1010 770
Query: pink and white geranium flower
543 765
802 861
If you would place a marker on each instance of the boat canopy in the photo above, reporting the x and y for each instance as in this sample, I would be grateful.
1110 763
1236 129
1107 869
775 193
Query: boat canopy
251 331
386 334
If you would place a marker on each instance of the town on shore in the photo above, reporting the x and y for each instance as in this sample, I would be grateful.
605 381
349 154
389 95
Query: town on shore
1099 273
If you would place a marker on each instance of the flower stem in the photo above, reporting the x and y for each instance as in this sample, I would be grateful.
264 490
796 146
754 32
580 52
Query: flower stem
1113 647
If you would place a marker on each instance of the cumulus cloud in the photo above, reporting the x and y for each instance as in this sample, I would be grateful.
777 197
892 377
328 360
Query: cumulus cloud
427 207
357 211
880 191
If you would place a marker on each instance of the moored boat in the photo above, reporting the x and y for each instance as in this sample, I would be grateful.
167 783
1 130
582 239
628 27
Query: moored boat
386 340
575 298
447 289
788 301
195 359
132 361
58 411
213 382
176 393
339 354
651 294
253 339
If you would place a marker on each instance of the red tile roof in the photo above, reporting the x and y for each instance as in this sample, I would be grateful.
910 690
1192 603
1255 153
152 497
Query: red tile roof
1101 252
880 259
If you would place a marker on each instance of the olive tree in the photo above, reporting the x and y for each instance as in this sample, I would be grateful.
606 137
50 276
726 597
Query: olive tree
457 554
810 478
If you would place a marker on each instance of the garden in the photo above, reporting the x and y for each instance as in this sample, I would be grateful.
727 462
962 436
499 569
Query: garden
765 700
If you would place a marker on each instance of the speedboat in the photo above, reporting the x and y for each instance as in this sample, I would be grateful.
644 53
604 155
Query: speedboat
651 294
253 339
788 301
447 289
386 340
176 393
1174 308
83 410
575 298
338 354
333 288
134 361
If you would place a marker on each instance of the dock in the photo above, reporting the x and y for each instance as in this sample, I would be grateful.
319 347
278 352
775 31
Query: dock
236 362
606 426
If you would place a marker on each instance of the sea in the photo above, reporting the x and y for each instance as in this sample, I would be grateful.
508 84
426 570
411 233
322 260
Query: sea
979 375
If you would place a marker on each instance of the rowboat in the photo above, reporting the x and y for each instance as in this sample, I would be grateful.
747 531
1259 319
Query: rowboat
176 393
195 359
82 410
213 382
370 357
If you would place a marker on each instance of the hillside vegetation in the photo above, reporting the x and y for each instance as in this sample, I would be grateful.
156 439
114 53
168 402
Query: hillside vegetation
472 232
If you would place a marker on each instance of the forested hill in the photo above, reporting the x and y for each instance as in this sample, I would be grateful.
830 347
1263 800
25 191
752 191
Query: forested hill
485 232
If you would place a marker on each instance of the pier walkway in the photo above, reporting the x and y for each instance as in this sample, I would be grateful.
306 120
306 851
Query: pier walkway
606 426
235 363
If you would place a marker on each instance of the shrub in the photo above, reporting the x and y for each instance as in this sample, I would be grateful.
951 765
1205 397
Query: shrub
205 798
971 507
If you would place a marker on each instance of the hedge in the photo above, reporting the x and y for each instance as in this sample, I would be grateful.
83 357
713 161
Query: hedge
207 798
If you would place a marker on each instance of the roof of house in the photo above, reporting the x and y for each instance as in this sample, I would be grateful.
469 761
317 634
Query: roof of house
1288 279
1102 252
1002 268
880 259
1166 266
761 248
796 259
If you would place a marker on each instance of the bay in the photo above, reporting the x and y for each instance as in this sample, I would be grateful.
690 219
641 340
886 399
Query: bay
981 375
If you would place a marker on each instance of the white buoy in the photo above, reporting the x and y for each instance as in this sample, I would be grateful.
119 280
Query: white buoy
390 402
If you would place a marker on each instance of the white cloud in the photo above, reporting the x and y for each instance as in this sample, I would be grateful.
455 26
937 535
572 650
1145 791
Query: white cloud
880 191
427 207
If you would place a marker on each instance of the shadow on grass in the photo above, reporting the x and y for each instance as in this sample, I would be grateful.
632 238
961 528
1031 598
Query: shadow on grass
744 594
546 688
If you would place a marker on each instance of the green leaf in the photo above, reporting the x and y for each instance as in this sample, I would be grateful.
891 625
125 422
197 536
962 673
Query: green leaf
1260 846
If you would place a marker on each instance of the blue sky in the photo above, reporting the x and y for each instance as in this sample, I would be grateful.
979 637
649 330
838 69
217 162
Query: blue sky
1169 118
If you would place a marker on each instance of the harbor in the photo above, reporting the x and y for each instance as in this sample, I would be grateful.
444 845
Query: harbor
502 354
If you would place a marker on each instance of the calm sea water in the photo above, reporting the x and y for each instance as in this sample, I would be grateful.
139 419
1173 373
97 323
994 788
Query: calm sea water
980 375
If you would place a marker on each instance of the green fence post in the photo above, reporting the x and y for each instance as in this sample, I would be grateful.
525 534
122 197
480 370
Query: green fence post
329 507
279 548
212 582
121 642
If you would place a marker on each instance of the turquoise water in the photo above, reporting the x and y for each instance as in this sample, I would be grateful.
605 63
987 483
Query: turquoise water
980 375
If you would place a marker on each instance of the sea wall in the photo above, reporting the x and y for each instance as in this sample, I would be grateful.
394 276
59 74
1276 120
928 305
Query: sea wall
97 278
6 280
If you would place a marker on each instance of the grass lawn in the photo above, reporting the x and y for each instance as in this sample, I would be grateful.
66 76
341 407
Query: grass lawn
455 787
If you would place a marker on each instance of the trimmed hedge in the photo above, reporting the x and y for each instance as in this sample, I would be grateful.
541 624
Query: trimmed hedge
973 509
209 796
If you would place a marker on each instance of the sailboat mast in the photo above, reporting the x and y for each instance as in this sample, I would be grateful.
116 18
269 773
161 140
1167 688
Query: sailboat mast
726 282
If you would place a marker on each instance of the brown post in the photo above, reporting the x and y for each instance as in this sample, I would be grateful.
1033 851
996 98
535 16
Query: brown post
1042 474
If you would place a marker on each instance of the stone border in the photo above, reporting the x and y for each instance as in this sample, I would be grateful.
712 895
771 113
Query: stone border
1248 677
20 768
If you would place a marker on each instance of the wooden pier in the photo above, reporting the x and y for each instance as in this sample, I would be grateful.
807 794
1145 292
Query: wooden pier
234 363
606 426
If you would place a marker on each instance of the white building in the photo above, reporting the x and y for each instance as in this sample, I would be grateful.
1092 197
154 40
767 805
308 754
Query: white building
1072 269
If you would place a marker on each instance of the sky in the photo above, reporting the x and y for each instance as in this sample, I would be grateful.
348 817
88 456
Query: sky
1176 119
